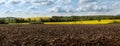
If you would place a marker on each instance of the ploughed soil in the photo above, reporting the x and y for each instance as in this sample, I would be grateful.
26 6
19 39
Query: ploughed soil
60 35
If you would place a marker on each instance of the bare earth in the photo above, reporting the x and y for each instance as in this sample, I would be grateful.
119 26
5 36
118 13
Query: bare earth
60 35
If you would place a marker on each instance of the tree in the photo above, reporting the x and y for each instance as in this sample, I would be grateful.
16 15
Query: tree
10 20
99 18
2 21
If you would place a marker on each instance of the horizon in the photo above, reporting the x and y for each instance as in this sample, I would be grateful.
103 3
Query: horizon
57 15
34 8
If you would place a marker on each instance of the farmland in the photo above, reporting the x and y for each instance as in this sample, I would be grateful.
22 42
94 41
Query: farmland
108 21
62 20
60 35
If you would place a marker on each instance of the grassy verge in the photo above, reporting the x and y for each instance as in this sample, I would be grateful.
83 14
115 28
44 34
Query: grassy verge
19 23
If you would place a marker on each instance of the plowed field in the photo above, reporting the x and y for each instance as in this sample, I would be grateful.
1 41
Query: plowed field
60 35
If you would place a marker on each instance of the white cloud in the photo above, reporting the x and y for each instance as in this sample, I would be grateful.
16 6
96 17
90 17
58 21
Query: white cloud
63 9
86 1
63 2
62 6
93 6
41 2
59 6
84 6
2 2
55 9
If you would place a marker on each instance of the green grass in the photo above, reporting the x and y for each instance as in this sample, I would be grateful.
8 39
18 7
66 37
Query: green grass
19 23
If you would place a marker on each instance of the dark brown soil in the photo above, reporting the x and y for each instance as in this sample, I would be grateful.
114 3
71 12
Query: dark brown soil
60 35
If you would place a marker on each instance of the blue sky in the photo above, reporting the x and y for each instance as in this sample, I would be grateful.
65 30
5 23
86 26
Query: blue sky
29 8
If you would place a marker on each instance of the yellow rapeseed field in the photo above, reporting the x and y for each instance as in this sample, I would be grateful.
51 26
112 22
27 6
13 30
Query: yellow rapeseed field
86 22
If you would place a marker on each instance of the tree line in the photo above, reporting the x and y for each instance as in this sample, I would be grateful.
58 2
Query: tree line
80 18
41 20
